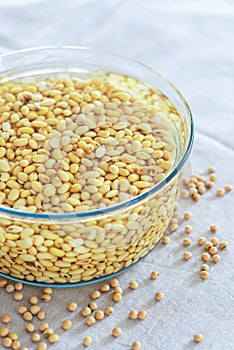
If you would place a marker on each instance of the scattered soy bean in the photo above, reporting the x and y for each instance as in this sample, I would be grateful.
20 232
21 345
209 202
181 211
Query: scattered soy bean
90 320
9 288
16 345
7 342
184 194
223 245
133 285
220 192
201 240
211 169
48 331
92 305
43 326
33 300
154 275
72 306
116 297
114 282
188 228
99 315
208 245
95 294
204 267
165 239
22 309
159 296
133 314
216 258
35 309
187 241
87 341
215 241
86 311
18 286
53 338
47 290
66 324
187 215
187 255
27 316
46 297
213 177
12 335
41 315
228 188
118 290
18 296
214 228
204 274
142 314
35 337
105 288
5 319
3 283
30 327
4 331
109 310
205 256
213 250
136 345
42 346
116 332
198 337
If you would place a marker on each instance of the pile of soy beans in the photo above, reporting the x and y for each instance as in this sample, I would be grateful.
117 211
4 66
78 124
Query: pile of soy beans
69 145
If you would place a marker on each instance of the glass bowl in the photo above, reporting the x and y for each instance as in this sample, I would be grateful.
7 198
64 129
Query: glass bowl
64 249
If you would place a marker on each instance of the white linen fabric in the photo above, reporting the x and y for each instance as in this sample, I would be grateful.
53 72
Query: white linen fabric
191 43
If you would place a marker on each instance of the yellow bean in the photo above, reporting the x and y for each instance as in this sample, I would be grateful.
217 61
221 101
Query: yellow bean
12 184
26 130
4 165
13 195
57 252
39 124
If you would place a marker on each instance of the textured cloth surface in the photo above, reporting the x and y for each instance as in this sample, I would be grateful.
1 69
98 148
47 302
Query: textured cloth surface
191 43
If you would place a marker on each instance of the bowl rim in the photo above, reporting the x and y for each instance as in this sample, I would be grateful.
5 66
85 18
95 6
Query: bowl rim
135 199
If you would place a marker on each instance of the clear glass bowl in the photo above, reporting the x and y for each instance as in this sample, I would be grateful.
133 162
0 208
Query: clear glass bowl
100 243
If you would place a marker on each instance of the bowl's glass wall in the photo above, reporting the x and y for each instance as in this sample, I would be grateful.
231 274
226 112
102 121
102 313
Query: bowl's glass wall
80 248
